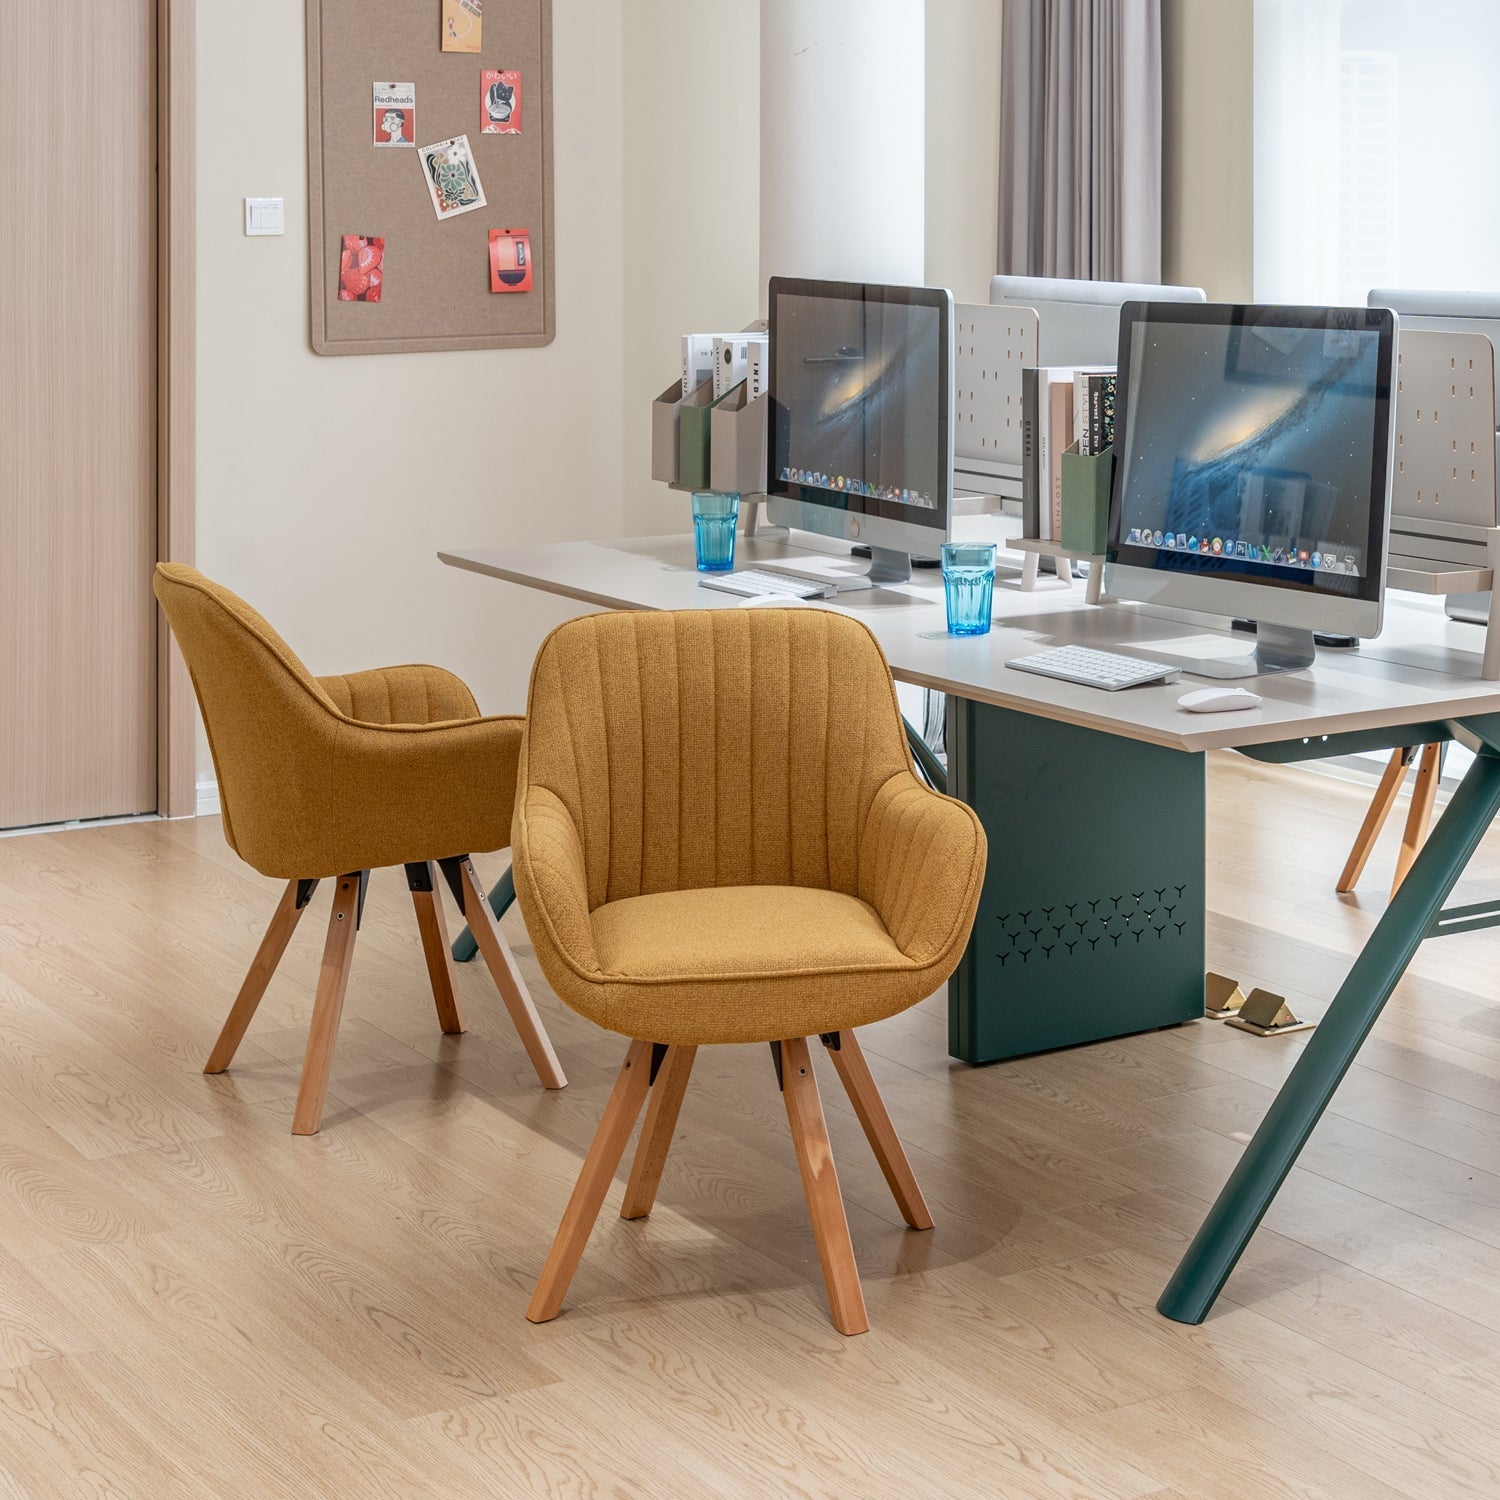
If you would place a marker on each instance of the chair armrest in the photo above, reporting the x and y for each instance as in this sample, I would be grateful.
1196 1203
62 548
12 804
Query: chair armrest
552 884
921 864
416 694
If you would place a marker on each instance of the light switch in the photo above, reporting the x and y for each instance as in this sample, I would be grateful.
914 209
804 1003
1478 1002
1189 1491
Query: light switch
265 216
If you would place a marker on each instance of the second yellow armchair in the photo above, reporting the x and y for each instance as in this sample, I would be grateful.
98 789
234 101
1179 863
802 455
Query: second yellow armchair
332 777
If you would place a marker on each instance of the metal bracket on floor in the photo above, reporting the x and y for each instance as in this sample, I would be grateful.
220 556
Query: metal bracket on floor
1265 1014
1222 997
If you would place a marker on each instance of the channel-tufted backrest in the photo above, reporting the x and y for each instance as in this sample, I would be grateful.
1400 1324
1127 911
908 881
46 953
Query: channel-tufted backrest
703 748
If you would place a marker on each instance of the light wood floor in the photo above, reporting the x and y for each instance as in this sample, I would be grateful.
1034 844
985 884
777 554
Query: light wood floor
193 1302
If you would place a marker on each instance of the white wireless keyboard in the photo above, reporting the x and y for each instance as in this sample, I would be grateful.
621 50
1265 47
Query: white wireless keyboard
755 583
1100 669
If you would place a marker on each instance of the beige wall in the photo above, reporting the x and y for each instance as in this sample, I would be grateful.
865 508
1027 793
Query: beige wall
326 486
1207 187
691 211
963 144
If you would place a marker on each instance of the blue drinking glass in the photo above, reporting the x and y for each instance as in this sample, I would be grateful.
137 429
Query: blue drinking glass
969 586
715 515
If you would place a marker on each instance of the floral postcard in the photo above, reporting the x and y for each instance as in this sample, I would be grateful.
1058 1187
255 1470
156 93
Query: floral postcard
361 268
499 102
395 111
452 178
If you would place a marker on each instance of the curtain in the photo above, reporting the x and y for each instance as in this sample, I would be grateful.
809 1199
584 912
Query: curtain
1080 139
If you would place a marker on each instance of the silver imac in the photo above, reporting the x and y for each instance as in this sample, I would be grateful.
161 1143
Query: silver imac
1253 459
861 417
1080 320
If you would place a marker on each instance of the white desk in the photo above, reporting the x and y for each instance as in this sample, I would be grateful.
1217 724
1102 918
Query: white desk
1104 794
1374 687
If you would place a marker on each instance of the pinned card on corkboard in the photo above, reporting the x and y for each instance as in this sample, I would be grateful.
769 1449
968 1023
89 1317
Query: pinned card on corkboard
436 201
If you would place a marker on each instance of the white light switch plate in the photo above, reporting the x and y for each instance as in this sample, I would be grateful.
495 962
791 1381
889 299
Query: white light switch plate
265 216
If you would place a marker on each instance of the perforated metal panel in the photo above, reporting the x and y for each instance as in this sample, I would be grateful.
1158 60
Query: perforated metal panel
992 345
1445 428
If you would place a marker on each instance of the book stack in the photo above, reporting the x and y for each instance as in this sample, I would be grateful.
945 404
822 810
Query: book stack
1061 405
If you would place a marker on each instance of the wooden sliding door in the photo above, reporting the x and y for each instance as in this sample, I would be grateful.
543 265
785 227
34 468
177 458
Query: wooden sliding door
78 409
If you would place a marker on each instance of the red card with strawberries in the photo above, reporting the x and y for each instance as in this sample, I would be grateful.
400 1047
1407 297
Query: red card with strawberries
361 268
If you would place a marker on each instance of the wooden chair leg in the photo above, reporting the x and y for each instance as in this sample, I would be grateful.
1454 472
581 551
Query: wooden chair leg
820 1184
1379 810
288 913
333 978
656 1134
599 1168
421 878
849 1059
1419 818
502 966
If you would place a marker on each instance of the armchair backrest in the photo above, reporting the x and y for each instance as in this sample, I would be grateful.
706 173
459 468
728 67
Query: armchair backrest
265 714
703 748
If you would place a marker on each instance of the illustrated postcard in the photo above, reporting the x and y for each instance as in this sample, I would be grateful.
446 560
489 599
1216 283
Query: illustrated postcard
463 25
452 178
395 110
499 102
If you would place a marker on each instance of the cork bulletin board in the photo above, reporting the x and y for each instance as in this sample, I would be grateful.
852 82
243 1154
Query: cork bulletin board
432 277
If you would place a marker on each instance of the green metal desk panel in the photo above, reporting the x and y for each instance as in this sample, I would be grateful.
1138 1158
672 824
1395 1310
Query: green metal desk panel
1091 920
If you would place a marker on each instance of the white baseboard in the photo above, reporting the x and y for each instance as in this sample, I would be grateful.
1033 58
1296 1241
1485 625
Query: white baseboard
208 798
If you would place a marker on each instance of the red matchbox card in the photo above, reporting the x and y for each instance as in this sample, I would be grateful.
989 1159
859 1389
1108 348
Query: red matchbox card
510 260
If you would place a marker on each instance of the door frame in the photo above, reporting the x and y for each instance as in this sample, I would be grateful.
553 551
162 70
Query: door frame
176 365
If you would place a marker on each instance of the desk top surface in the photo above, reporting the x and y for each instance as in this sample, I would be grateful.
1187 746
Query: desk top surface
1422 667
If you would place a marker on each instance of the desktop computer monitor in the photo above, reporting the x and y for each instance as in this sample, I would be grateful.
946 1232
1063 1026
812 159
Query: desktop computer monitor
861 416
1079 321
1253 456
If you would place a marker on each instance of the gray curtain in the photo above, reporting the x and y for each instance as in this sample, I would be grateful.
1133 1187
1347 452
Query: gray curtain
1080 139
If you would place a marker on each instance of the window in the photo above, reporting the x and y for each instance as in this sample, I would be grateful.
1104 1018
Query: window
1377 147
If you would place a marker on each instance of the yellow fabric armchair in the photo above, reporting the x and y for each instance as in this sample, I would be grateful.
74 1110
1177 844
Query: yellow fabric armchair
332 777
720 837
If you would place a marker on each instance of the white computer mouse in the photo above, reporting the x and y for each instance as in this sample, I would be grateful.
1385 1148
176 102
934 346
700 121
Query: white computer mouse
1218 700
775 601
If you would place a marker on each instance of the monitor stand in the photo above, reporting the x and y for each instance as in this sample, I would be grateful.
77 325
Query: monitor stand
1278 648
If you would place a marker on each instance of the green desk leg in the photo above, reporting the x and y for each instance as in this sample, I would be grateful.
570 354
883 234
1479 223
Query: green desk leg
502 893
1237 1212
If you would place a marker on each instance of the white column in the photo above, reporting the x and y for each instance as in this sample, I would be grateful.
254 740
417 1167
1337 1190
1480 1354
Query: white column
842 140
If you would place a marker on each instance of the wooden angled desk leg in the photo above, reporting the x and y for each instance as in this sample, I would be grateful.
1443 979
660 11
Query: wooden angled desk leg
1423 796
1379 810
656 1134
421 878
502 966
849 1059
283 924
328 1007
599 1168
820 1184
1330 1050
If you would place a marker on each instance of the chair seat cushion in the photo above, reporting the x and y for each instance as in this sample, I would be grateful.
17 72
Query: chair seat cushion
747 963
